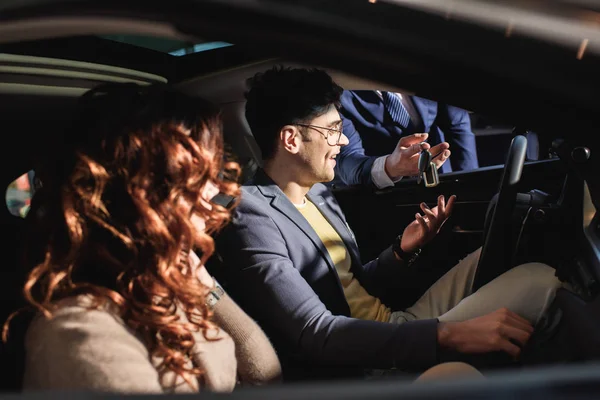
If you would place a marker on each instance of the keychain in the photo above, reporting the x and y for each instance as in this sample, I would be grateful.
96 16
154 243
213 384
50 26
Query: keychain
427 170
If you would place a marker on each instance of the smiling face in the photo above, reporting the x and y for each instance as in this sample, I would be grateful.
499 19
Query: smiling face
317 155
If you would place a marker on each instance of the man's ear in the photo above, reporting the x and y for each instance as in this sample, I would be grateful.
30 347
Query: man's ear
290 139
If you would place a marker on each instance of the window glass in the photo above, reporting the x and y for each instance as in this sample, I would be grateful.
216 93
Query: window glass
492 139
172 47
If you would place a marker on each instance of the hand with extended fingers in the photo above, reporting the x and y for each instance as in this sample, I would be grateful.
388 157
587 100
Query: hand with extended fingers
426 226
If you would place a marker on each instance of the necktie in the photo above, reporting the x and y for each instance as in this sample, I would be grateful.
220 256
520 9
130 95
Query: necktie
396 109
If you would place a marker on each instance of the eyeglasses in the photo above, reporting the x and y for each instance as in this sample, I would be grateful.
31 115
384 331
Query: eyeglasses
332 136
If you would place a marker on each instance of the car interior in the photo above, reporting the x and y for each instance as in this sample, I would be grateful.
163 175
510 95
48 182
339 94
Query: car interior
518 209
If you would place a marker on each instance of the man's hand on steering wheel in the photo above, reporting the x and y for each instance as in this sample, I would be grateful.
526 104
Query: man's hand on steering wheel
426 227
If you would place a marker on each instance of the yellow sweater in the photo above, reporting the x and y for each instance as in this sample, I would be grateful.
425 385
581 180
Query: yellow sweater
362 304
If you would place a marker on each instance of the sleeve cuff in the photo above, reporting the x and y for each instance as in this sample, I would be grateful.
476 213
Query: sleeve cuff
379 176
387 257
417 349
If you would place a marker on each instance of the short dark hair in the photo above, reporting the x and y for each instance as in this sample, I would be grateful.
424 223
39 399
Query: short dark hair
282 96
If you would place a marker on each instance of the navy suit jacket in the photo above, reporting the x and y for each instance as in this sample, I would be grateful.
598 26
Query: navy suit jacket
281 274
372 133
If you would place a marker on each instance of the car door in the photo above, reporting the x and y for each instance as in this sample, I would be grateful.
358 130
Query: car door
377 217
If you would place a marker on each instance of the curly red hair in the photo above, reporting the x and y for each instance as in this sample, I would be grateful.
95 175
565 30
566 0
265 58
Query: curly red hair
114 212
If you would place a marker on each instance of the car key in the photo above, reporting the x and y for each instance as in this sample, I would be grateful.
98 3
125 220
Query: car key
427 170
424 164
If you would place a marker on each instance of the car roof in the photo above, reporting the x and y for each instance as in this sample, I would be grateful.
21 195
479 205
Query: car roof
469 62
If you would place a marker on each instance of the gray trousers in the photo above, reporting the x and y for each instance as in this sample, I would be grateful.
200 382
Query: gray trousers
527 290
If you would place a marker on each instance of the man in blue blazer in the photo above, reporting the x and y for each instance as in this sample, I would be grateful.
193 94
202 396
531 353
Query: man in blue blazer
291 260
375 122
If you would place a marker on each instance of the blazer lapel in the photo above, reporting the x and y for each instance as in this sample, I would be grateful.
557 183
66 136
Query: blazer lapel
281 203
372 102
427 109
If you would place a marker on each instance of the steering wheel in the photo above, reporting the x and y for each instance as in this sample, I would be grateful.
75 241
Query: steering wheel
497 250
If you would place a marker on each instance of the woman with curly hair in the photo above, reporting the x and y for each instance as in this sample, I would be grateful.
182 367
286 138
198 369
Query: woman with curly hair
123 302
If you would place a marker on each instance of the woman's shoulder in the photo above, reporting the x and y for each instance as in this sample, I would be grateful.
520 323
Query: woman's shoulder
79 316
76 331
86 348
93 348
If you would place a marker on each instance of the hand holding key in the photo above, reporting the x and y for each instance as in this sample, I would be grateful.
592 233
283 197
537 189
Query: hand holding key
404 159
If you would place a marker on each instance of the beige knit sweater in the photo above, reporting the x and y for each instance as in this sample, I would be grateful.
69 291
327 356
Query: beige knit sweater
83 349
